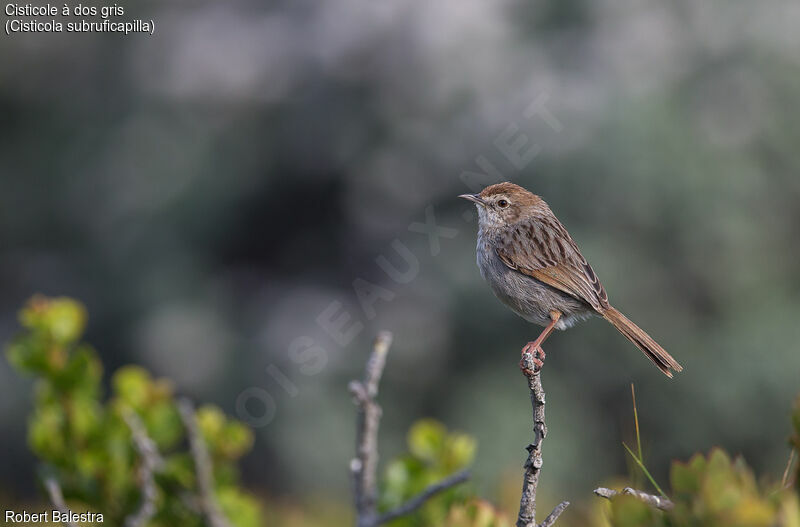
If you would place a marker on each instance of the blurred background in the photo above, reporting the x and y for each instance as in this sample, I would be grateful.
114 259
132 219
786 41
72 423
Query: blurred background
212 190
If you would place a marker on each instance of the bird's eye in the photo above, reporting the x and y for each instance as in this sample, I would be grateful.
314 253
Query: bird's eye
502 203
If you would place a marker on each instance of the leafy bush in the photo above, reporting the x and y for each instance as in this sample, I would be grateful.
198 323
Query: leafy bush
716 491
433 454
794 440
86 444
475 513
712 491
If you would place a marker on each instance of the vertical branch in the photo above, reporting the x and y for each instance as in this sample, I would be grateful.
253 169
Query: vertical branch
533 465
364 465
202 466
149 462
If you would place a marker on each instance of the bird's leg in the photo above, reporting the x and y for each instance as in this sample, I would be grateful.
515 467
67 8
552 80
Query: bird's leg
535 347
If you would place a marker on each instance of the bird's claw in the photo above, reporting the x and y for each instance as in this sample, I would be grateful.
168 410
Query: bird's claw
534 355
534 349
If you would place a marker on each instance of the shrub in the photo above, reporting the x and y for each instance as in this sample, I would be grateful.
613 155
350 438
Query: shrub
87 444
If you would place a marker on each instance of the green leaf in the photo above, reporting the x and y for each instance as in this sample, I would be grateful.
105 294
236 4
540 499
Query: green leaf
83 372
476 513
698 464
210 421
28 353
63 319
460 451
683 478
627 511
426 439
397 475
45 434
241 509
85 415
163 423
131 384
235 440
180 467
718 461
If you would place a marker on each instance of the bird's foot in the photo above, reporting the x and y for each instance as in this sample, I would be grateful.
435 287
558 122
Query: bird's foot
532 355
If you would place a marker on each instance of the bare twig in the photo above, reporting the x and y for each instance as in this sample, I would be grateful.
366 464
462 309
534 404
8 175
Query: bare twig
202 466
364 466
420 499
533 465
57 499
658 502
553 516
786 482
150 462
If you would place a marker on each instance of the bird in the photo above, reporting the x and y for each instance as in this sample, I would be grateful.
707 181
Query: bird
534 267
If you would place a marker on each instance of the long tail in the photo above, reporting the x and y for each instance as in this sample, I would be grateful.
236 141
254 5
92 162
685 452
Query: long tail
643 341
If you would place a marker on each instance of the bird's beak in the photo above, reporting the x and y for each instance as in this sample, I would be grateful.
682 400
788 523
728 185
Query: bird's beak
473 197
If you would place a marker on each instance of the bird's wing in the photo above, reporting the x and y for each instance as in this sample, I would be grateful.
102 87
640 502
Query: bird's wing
542 248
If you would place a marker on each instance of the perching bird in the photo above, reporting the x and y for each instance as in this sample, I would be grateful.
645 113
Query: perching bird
534 267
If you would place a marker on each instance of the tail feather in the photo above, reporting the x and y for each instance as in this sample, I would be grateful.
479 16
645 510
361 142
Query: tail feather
643 341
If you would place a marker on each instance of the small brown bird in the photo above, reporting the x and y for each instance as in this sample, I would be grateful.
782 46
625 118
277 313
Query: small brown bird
534 267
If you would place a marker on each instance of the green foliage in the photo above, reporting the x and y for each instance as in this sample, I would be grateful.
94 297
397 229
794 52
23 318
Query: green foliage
434 453
712 491
794 441
86 443
475 513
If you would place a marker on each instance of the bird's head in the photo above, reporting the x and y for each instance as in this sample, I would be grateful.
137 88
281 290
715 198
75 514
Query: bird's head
503 204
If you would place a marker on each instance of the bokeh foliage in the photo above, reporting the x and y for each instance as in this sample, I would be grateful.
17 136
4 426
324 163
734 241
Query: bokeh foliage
85 442
794 441
716 491
475 513
433 454
713 491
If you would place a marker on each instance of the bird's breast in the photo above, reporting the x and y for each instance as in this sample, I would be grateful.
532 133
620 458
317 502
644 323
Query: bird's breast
526 296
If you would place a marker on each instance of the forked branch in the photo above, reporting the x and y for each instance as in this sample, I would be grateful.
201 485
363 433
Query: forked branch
364 466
